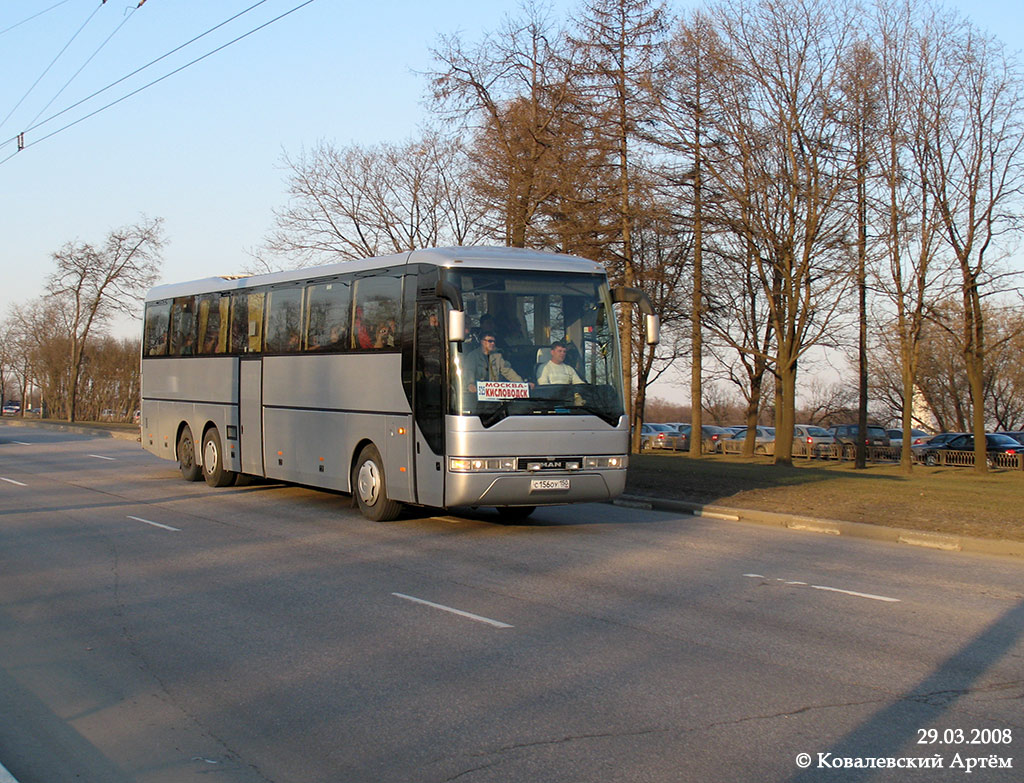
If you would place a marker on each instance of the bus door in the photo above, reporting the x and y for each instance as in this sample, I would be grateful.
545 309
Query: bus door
429 397
250 414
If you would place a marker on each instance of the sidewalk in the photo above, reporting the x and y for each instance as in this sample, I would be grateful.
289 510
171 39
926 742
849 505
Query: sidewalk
831 527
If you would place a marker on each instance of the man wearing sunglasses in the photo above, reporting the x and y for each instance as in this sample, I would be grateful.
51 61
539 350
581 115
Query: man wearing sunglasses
487 364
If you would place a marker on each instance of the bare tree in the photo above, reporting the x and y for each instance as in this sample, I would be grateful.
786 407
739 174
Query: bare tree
619 44
360 201
791 169
511 88
975 176
739 316
92 283
683 96
911 273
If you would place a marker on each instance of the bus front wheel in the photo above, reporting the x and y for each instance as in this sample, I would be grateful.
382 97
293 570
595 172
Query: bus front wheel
213 461
370 489
187 456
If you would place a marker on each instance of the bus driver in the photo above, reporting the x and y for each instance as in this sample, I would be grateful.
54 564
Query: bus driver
557 371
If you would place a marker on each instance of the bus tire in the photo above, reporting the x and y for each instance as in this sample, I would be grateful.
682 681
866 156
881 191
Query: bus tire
190 470
213 461
370 489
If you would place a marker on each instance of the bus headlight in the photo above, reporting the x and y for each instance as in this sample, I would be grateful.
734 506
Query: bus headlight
480 464
617 461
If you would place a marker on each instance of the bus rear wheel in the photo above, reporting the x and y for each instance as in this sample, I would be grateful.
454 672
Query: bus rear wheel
370 489
213 461
187 464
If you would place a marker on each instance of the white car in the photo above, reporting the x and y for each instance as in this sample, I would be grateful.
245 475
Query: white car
764 442
817 440
917 437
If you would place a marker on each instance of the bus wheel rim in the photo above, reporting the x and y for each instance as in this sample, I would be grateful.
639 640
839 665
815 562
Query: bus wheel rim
210 456
187 455
368 482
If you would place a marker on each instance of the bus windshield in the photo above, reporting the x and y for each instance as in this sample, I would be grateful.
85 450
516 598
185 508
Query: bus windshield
536 343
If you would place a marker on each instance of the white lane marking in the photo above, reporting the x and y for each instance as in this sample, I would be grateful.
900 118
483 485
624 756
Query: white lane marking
156 524
5 776
459 612
100 456
12 481
854 593
21 443
873 597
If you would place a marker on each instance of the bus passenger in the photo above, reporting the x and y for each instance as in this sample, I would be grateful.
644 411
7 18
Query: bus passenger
360 331
385 336
557 371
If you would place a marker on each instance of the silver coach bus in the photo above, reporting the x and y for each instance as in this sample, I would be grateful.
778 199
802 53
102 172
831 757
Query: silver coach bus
365 377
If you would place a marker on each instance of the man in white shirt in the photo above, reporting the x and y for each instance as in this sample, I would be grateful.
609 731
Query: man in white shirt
557 372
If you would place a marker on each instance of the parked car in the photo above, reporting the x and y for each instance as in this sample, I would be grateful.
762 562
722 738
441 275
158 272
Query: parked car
11 409
764 442
847 434
994 444
935 440
1017 436
709 433
818 439
896 436
658 436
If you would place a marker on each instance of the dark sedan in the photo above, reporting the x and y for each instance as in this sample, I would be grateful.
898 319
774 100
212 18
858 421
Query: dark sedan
994 444
936 441
1017 436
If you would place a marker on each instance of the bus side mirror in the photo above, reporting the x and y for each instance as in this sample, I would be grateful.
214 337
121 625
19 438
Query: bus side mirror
456 326
652 328
652 323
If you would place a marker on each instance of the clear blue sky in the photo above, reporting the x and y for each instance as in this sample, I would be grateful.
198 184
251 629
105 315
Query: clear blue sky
202 149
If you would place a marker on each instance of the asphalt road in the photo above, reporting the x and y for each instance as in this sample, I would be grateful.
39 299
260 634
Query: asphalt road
158 631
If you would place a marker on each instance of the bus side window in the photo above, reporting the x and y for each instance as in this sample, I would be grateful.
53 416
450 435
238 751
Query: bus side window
158 319
329 306
378 301
254 327
246 322
210 322
183 326
284 311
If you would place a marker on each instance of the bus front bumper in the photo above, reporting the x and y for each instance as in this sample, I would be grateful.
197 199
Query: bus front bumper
534 489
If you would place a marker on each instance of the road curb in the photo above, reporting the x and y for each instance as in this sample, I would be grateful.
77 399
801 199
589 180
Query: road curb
102 432
833 527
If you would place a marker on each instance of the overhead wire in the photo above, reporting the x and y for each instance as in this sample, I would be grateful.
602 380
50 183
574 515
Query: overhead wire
52 62
34 16
165 76
133 73
88 60
20 137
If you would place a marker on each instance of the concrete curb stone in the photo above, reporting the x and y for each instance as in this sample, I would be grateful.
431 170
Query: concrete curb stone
833 527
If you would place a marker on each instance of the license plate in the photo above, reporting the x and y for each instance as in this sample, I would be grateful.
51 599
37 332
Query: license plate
541 484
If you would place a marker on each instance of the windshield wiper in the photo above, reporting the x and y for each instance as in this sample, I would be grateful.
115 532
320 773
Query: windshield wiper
496 415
